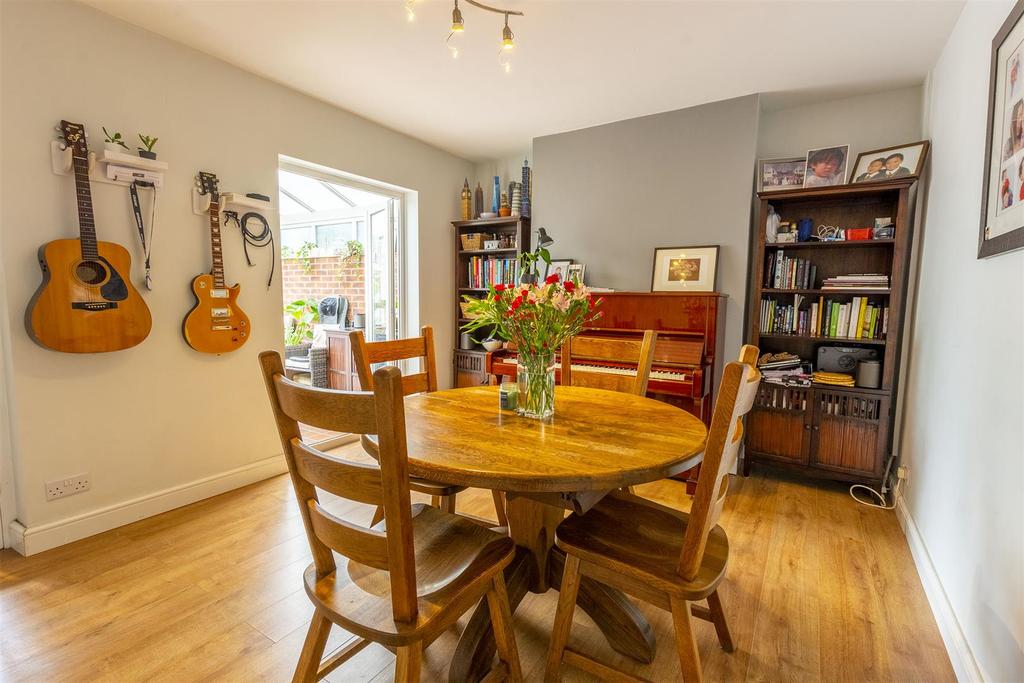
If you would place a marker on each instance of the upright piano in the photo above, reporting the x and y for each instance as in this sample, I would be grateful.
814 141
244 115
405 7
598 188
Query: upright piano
691 335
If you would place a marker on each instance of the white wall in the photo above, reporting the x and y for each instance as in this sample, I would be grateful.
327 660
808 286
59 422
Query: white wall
962 437
161 415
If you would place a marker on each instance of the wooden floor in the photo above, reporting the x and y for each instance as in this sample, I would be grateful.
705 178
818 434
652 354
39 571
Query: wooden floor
818 589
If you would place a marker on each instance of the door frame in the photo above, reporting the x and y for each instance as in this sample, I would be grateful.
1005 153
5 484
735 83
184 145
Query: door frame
8 498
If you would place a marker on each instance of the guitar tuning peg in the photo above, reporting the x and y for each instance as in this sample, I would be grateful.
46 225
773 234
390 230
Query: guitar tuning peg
57 128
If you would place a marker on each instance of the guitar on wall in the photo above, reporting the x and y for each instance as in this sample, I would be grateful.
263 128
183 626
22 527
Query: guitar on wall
215 324
86 302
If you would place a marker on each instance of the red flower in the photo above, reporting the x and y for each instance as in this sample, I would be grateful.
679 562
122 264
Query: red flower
569 286
499 288
517 302
551 279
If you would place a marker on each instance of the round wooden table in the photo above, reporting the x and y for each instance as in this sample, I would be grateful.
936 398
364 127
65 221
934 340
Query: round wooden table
597 441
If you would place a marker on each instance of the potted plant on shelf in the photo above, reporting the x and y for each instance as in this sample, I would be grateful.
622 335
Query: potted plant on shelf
149 142
538 317
114 142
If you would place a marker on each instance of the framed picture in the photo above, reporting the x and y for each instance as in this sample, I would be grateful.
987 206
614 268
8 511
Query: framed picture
1002 194
576 272
780 174
685 269
826 166
558 266
890 163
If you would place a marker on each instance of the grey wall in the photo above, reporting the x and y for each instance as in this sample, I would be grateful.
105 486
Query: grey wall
610 194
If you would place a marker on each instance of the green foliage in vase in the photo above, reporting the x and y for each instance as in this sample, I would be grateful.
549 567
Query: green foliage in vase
304 314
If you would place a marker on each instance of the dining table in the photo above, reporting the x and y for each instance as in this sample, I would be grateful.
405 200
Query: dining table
597 441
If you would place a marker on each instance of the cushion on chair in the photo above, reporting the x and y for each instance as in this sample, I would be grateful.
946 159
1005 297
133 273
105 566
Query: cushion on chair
638 537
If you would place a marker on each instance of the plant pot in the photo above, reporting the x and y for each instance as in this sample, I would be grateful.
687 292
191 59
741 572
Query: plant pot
114 147
146 154
536 379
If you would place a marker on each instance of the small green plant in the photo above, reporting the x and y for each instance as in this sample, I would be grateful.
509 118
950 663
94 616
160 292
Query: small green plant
114 138
287 252
149 142
353 249
303 254
304 315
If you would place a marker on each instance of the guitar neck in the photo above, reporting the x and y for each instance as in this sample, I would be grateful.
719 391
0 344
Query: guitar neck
215 245
83 192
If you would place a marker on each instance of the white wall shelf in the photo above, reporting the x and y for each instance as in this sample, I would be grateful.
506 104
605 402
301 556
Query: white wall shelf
100 165
230 201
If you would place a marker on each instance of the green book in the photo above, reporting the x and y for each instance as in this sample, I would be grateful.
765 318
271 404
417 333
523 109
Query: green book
833 324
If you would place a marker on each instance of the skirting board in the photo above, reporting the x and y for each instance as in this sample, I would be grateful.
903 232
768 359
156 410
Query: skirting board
32 540
960 654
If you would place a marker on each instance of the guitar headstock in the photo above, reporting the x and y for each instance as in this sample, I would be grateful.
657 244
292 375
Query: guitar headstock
74 137
207 184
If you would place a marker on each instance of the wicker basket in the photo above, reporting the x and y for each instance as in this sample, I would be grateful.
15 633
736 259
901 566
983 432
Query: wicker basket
473 240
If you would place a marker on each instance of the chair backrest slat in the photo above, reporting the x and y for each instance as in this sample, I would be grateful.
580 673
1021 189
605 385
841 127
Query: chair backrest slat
735 397
379 412
352 480
365 546
632 351
365 354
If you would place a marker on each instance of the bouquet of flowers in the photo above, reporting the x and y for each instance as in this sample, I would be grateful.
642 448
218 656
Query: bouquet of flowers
538 318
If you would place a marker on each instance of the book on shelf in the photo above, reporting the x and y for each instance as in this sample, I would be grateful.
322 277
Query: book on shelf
786 272
486 271
870 281
859 318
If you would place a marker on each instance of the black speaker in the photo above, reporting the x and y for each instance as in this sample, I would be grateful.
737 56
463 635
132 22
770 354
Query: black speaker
843 358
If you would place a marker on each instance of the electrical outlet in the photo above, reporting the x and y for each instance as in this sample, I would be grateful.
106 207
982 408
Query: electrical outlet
59 488
903 472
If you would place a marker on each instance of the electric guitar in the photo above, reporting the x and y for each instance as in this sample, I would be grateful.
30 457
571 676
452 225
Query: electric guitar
215 324
86 302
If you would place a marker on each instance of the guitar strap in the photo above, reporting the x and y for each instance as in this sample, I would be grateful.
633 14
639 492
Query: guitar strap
263 238
133 191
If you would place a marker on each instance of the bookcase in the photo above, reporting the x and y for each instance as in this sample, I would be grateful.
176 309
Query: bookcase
835 432
474 268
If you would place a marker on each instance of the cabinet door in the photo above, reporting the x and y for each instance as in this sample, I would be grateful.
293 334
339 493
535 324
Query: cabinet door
778 426
850 431
469 369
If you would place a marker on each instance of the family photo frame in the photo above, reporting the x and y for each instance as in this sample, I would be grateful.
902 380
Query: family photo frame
774 175
1002 205
890 163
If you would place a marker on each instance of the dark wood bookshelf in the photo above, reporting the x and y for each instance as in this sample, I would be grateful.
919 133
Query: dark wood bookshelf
842 433
469 363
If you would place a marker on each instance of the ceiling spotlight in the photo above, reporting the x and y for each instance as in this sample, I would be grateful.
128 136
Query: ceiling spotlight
458 25
507 41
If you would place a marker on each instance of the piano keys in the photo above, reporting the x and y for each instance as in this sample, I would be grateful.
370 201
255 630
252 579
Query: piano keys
691 334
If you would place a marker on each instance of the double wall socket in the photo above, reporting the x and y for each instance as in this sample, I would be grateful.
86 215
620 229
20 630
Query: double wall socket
59 488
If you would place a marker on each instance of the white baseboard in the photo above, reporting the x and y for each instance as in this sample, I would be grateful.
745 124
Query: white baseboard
36 539
960 654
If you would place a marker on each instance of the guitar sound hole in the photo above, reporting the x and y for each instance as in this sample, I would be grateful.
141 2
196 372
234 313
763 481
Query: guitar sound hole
91 272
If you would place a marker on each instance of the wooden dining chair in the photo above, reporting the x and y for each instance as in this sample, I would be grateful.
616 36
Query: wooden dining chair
668 558
405 580
366 354
609 349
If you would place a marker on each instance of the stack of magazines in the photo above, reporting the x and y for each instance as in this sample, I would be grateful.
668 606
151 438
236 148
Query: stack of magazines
785 369
875 282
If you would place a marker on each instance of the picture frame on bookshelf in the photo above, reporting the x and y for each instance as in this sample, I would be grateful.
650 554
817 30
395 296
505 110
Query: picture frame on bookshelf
1002 208
890 163
827 166
774 175
685 269
560 266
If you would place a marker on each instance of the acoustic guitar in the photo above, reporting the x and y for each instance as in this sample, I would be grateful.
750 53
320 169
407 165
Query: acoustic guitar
86 302
215 324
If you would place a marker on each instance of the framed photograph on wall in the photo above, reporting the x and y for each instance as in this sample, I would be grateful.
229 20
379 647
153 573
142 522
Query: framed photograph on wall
826 166
780 174
890 163
685 269
576 272
1002 194
560 266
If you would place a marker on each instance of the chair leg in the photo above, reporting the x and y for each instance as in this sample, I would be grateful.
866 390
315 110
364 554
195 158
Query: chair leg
563 617
448 504
435 502
718 619
501 621
312 649
499 507
409 662
686 643
378 515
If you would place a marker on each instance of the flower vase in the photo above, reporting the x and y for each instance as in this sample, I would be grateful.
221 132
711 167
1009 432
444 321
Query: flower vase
536 379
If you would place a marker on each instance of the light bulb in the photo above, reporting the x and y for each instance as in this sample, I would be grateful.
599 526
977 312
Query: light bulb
410 10
507 42
458 25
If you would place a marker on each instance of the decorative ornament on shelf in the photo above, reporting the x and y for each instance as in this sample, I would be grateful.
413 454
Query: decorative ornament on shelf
517 199
527 189
496 196
478 200
458 27
467 207
538 318
504 210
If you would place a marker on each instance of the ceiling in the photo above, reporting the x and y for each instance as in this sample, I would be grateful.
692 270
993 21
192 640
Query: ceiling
576 64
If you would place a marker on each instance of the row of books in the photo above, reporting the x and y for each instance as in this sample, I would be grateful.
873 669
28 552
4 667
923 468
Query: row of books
858 318
858 281
484 272
789 272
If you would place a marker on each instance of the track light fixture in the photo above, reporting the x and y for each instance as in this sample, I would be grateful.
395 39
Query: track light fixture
459 26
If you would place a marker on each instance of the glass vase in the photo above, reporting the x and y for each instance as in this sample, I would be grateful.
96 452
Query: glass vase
536 379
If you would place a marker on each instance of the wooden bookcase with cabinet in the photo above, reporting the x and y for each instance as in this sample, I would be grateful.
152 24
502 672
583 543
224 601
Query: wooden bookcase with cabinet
842 433
469 363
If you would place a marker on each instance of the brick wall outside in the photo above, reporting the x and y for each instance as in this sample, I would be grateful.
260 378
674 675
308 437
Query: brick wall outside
327 275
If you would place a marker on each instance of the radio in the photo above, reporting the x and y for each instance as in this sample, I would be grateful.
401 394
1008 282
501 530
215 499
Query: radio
843 358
